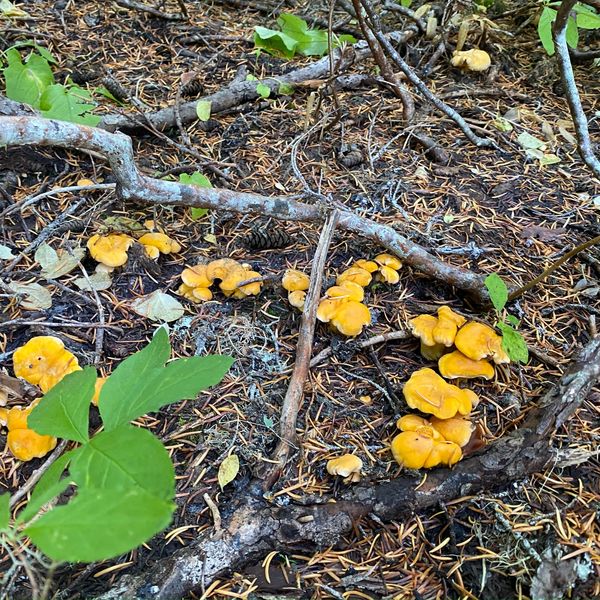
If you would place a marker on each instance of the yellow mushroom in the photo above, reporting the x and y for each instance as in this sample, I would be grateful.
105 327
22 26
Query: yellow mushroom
428 392
422 327
347 465
162 242
297 299
356 275
100 381
456 429
388 260
110 250
456 365
368 265
294 281
414 422
231 284
24 443
412 448
447 326
44 361
471 60
196 276
347 290
350 318
478 341
443 453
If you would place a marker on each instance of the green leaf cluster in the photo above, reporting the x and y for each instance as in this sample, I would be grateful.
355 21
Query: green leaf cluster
513 342
584 17
123 476
200 180
31 81
295 37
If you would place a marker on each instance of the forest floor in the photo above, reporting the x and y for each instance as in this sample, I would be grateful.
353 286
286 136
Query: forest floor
488 210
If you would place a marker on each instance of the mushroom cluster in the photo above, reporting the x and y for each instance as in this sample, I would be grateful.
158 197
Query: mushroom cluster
463 350
296 284
342 307
111 250
198 279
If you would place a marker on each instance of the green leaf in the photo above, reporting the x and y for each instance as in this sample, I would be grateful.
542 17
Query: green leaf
26 82
572 33
4 511
64 411
48 487
203 108
68 104
586 19
99 524
513 343
142 383
285 89
547 17
196 178
124 458
263 90
275 42
497 290
512 320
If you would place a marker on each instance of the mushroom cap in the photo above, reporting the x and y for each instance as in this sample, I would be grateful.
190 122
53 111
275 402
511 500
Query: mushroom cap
26 444
327 309
297 299
388 260
443 453
447 326
388 275
414 423
44 361
196 276
186 291
428 392
456 429
230 285
161 241
347 290
347 465
432 352
456 364
223 268
294 280
110 250
411 449
367 265
355 274
350 318
478 341
422 327
152 252
100 381
201 294
471 60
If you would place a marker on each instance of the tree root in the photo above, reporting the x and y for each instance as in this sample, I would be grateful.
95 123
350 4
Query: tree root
132 185
256 528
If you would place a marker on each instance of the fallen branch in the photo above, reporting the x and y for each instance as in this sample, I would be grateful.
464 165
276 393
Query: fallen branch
256 528
295 392
584 143
132 185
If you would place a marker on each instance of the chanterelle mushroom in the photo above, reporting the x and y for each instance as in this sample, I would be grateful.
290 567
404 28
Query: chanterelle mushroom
478 341
110 250
471 60
347 466
350 318
422 327
388 267
456 365
428 392
294 281
356 275
447 326
24 443
162 242
44 361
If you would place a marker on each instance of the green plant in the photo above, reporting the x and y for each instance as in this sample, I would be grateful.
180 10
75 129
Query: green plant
512 341
31 81
123 478
583 17
199 180
295 37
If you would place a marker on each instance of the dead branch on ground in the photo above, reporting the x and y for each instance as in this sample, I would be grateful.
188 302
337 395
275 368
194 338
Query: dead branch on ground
563 58
256 528
132 185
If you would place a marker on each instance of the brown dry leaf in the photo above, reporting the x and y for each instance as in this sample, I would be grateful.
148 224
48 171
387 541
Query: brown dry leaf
544 234
228 470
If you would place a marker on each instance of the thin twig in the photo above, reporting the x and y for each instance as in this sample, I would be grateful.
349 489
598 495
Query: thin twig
295 391
568 78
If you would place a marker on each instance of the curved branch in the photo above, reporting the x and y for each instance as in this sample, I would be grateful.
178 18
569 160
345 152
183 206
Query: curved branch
568 78
132 185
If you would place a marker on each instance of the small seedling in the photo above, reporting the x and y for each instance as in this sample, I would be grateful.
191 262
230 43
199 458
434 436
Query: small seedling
512 341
